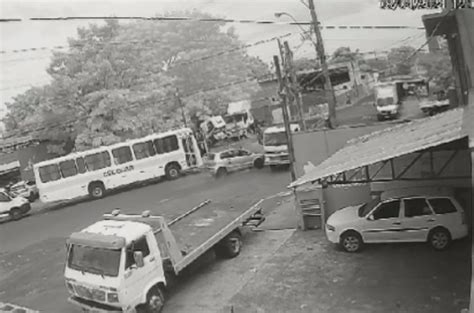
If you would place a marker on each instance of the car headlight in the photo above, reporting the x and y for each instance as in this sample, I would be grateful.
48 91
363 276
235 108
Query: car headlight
70 287
330 227
112 297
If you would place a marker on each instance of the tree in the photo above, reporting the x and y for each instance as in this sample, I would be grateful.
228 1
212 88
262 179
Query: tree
118 81
438 66
305 64
344 54
402 59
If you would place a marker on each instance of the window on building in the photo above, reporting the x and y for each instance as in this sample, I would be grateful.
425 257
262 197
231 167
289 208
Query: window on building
442 205
122 155
138 245
49 173
144 150
390 209
81 165
97 161
166 144
416 207
68 168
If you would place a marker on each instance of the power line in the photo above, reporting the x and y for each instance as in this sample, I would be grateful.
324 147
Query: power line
212 20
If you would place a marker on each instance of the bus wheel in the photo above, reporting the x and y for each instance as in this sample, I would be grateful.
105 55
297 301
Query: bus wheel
172 171
96 190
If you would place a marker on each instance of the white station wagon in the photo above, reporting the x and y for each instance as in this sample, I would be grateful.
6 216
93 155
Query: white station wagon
436 220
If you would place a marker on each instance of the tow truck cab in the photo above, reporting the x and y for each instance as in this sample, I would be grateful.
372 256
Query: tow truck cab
113 266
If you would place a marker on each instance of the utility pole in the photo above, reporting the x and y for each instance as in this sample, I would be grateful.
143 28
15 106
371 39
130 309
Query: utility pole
294 83
283 95
180 103
322 57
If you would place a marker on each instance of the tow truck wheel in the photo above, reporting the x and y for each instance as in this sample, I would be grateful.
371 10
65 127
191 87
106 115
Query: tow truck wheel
155 301
230 246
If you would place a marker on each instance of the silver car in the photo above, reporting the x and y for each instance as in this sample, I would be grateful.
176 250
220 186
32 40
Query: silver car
231 160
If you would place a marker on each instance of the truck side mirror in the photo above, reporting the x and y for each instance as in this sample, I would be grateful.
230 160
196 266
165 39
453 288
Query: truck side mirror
138 257
371 217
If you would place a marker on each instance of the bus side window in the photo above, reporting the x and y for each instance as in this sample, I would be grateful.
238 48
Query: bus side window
49 173
97 161
68 168
143 150
122 155
81 165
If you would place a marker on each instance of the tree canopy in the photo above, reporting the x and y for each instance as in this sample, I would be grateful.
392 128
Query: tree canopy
119 81
402 59
438 66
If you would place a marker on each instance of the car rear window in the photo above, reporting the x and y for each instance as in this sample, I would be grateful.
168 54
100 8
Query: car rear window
211 156
442 205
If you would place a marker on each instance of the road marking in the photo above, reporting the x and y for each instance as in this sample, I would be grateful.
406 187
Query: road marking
12 308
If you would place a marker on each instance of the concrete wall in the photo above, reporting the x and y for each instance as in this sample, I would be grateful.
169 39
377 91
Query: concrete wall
338 197
317 146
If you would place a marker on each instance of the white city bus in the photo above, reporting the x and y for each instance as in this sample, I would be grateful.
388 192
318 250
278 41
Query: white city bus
93 172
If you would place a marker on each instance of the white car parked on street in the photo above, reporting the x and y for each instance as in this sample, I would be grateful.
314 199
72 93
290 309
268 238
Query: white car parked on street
12 208
231 160
436 220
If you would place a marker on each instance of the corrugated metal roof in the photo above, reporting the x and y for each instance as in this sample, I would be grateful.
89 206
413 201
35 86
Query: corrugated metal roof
389 143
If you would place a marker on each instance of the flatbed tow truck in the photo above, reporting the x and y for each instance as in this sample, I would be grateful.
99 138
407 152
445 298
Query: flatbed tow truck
121 264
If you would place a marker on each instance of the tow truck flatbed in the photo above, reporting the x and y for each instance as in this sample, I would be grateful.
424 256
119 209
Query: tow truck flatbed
199 229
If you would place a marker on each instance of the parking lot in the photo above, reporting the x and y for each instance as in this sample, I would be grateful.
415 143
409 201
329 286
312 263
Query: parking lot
383 278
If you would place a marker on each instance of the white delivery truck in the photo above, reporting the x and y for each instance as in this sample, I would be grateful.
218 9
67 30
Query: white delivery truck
239 119
119 264
275 145
387 101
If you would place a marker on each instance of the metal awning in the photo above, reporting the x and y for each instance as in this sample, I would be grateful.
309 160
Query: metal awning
389 143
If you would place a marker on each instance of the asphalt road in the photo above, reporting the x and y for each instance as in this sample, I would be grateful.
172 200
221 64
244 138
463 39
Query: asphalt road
32 250
366 113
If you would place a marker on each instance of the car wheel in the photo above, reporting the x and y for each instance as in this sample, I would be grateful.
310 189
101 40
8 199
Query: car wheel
351 242
221 172
15 214
439 239
258 163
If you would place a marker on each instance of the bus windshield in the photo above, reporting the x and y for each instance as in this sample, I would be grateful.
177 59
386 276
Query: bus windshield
275 139
104 262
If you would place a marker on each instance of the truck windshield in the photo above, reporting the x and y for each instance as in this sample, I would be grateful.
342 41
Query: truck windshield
384 101
94 260
275 139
